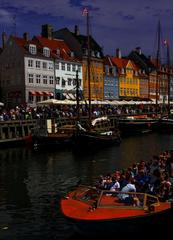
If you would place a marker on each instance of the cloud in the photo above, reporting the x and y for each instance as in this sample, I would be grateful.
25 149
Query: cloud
125 22
6 17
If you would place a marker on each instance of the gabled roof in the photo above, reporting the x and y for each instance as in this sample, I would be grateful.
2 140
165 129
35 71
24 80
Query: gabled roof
143 61
80 40
107 61
120 62
83 41
53 45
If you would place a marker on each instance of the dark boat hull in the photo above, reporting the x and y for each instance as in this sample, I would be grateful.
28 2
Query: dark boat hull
137 126
152 222
96 141
166 125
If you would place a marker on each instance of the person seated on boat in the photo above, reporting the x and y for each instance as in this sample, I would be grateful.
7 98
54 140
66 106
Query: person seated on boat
116 186
124 196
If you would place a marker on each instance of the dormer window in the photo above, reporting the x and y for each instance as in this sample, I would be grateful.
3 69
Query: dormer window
32 49
98 54
92 54
58 52
46 52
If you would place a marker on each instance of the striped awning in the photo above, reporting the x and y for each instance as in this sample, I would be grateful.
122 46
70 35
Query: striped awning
33 93
39 93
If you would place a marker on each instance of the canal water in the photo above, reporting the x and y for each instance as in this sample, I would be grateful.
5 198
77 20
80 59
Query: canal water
32 183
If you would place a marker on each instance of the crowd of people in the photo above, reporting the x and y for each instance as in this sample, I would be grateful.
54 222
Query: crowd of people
57 111
154 177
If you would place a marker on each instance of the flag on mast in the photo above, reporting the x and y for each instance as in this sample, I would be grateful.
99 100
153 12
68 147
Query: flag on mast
165 42
85 11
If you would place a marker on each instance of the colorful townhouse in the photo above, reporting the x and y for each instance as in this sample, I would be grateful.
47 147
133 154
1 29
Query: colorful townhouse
111 89
66 65
78 44
26 72
150 79
129 86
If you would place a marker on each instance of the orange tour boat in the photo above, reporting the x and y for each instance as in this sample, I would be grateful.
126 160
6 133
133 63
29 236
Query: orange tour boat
95 211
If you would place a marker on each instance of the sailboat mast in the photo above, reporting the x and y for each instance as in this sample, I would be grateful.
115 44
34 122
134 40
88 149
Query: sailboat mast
157 66
77 94
88 66
168 65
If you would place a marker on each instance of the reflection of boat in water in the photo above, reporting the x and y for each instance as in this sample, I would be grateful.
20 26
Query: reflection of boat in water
137 124
95 211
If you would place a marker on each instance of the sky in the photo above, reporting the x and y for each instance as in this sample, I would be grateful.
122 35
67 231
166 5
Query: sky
124 24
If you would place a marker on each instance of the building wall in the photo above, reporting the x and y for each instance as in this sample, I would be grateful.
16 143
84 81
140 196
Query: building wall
63 76
110 83
35 71
12 74
96 79
129 82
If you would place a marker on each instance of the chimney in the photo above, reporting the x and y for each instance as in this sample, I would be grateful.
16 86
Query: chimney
150 58
76 30
47 31
138 50
118 53
26 36
4 39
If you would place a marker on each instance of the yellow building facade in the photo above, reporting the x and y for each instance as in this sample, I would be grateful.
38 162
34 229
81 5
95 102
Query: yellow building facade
128 76
96 79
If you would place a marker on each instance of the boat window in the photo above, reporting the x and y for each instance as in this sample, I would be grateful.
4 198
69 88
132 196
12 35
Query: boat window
151 200
87 195
112 199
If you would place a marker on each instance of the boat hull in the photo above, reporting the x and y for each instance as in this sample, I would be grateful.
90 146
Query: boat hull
152 222
96 141
137 126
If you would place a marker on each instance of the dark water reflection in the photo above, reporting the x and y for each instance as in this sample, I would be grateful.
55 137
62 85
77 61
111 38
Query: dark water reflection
31 183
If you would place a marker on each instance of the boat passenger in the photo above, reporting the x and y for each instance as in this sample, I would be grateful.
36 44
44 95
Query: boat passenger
124 196
116 186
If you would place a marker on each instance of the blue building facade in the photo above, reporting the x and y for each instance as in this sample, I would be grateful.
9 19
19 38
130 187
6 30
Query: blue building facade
111 91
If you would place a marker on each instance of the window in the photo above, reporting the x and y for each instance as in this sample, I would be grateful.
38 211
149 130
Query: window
74 82
46 52
57 65
50 79
30 98
37 64
73 67
31 78
63 82
44 79
69 80
44 65
62 66
38 98
68 67
79 68
38 78
58 52
30 63
32 49
58 80
51 65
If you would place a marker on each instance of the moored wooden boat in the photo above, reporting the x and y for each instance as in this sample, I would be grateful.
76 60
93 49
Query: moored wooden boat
137 124
100 212
49 135
100 134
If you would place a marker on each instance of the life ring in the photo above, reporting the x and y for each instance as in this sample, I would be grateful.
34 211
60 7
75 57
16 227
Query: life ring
151 208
